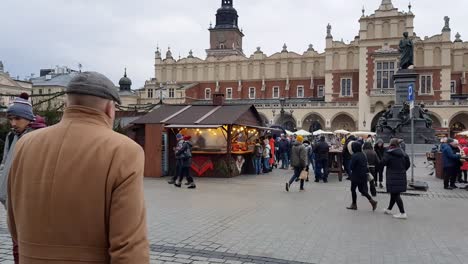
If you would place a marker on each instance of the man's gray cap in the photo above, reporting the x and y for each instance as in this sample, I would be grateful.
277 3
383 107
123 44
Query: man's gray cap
94 84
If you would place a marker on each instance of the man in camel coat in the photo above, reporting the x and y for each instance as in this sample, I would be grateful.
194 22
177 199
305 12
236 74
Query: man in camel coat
76 188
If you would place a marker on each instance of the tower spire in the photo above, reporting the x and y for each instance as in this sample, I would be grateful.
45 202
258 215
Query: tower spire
386 5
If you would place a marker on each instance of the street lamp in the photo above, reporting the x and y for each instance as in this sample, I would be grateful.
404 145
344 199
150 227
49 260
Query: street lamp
282 102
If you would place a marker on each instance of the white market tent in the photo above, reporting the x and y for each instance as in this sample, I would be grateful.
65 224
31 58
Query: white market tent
303 133
289 133
464 133
321 132
341 132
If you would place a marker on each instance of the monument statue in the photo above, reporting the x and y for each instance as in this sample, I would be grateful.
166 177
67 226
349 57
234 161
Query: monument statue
424 114
395 122
406 52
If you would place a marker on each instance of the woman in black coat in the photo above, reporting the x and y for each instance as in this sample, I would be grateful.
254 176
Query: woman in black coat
380 150
373 161
397 163
359 172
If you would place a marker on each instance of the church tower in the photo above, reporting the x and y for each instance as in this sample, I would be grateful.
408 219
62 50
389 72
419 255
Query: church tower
225 37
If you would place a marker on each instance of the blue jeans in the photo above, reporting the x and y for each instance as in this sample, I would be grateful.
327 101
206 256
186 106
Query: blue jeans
284 160
312 161
266 164
321 164
347 166
297 173
258 165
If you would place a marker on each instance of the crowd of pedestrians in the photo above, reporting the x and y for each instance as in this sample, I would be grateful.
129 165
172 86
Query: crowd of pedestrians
455 164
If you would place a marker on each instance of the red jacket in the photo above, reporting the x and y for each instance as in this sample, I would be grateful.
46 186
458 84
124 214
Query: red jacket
272 146
465 164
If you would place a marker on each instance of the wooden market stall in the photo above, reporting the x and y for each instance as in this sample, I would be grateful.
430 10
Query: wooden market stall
222 137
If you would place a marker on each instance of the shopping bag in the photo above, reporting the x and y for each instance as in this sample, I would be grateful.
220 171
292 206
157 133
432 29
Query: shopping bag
304 175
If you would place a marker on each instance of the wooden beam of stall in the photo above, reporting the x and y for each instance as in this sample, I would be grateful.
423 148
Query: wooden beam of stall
229 146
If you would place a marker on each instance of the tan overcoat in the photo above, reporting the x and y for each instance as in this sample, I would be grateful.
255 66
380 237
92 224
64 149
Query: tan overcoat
76 194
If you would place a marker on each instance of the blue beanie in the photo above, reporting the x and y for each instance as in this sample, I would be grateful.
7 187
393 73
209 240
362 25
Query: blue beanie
21 107
179 136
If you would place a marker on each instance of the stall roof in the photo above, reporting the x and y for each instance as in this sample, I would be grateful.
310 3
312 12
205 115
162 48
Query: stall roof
202 115
193 126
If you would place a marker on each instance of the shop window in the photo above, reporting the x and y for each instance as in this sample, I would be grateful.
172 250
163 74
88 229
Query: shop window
207 94
300 92
346 87
275 92
385 71
320 91
453 87
252 93
171 93
425 85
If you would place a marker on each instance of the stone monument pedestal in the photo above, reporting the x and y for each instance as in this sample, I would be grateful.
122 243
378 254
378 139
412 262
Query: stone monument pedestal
399 124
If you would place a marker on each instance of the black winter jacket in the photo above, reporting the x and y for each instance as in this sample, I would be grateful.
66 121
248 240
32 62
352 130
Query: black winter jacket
358 166
321 150
397 163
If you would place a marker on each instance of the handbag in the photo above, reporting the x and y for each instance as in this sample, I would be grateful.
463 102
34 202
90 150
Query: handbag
369 177
368 174
304 175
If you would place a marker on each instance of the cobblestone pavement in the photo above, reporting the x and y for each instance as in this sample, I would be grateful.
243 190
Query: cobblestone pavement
251 219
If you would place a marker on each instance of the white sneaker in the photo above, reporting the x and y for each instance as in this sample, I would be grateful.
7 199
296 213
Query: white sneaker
388 212
400 216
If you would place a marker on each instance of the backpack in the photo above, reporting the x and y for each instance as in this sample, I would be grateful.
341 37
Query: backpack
258 151
188 152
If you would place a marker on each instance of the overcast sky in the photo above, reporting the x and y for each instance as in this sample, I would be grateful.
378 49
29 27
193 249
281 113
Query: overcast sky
108 35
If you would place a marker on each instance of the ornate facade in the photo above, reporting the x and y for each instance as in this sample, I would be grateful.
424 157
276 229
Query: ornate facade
345 87
11 88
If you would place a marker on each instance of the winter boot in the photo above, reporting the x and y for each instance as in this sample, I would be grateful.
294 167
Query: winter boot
352 207
374 204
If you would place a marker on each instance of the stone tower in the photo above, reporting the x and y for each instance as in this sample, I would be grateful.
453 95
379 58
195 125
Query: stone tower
225 37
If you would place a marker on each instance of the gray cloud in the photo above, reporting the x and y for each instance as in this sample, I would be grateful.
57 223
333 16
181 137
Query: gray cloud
108 35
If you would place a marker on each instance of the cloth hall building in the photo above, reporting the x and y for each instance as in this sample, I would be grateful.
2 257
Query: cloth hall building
348 86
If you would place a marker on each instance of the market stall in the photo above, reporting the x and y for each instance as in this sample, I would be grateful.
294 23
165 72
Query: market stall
223 138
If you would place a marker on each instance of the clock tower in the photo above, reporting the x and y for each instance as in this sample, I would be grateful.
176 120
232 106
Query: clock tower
225 37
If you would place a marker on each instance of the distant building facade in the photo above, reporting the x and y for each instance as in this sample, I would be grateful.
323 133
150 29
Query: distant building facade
345 87
11 88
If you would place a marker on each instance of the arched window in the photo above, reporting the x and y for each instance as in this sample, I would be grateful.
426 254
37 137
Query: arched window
278 70
437 56
420 57
350 60
370 31
336 61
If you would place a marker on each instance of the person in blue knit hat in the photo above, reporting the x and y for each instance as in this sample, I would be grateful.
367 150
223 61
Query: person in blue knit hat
20 115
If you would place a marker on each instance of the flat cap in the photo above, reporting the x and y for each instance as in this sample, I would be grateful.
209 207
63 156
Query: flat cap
94 84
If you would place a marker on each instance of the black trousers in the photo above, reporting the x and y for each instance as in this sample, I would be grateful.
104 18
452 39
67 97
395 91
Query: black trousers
373 184
396 198
450 176
362 189
185 172
178 171
380 170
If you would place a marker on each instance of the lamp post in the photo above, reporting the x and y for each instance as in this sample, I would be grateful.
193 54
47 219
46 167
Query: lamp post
282 102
